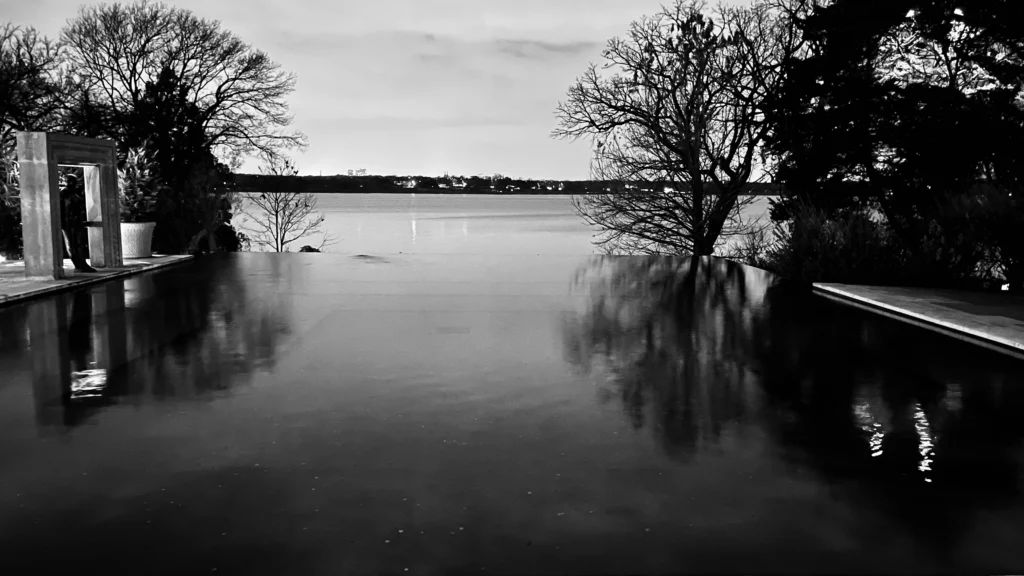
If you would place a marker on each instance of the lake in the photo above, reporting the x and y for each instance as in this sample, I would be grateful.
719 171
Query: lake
481 407
457 224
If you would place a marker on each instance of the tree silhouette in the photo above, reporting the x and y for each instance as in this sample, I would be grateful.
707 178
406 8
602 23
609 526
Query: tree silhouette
118 49
912 423
669 332
680 109
913 108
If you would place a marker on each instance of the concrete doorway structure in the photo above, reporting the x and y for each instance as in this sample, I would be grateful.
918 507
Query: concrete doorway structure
39 155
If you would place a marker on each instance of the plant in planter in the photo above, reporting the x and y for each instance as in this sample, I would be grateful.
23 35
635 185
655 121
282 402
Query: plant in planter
139 185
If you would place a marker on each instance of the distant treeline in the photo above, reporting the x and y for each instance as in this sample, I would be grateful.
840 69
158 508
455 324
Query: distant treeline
343 184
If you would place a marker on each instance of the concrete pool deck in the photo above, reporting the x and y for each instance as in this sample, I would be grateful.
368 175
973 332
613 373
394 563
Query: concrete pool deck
996 320
15 287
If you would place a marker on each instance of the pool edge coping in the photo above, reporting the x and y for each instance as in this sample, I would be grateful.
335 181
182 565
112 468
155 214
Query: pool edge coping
945 327
74 283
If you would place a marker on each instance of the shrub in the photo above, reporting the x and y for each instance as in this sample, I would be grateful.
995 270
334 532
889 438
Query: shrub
962 240
849 247
755 247
947 247
231 239
1003 225
10 201
139 186
967 240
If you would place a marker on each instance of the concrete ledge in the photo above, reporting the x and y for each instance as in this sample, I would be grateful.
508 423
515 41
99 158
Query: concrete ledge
15 287
994 320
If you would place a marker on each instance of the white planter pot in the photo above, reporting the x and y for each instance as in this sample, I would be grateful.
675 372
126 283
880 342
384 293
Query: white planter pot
137 239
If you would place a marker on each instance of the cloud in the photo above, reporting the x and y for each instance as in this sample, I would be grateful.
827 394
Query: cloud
539 50
392 122
483 76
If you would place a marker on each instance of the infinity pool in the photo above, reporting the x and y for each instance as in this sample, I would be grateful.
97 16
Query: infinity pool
415 414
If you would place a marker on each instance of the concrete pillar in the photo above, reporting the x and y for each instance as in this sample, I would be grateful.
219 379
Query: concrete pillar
103 213
39 154
94 215
40 207
111 200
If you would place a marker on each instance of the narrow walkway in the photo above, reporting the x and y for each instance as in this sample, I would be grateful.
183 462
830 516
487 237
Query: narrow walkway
993 318
14 287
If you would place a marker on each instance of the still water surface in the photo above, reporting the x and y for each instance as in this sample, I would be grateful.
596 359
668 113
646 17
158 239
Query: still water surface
458 224
496 414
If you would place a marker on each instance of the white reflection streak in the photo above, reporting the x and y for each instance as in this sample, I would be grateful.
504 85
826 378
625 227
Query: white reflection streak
926 446
413 222
88 383
862 412
465 228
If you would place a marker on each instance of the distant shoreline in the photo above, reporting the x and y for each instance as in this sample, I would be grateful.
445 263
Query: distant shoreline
406 192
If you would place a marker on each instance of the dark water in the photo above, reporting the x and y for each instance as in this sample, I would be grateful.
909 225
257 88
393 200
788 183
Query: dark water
328 414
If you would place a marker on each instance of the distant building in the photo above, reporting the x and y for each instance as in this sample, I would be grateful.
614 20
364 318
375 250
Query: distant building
359 172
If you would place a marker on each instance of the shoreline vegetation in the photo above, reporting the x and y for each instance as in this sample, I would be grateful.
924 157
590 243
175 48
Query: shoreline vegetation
496 185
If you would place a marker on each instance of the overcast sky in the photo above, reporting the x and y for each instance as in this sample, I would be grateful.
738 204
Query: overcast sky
418 86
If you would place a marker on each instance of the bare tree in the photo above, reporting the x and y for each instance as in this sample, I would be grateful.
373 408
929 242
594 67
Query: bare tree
677 108
31 86
276 218
29 96
115 49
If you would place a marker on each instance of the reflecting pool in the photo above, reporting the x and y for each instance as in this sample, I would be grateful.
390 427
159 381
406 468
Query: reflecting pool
430 414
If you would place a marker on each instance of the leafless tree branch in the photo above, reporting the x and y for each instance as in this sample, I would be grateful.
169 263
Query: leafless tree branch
115 49
275 219
677 112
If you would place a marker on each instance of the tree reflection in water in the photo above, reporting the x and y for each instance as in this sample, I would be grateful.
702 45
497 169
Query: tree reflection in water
186 332
890 412
669 333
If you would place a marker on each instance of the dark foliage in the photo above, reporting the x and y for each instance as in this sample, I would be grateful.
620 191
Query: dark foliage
169 125
894 106
847 247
